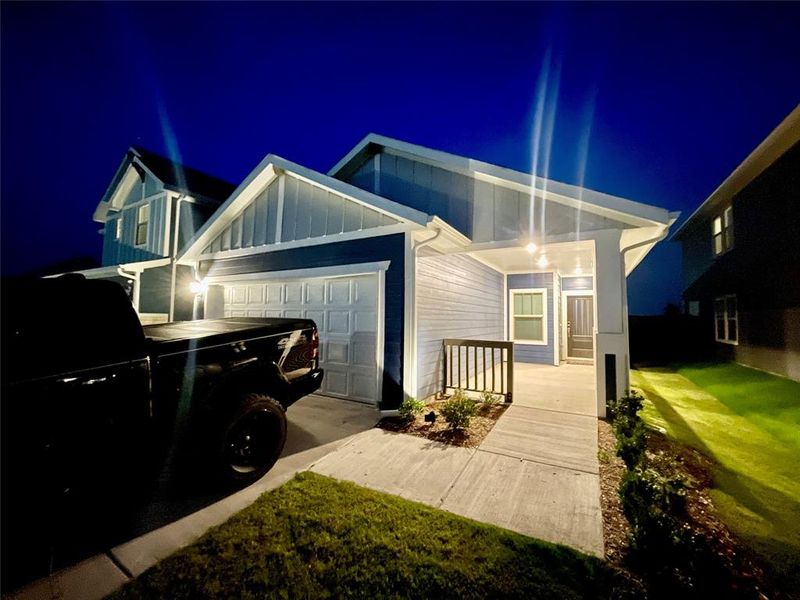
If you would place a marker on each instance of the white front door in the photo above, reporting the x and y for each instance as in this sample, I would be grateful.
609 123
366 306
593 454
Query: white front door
345 310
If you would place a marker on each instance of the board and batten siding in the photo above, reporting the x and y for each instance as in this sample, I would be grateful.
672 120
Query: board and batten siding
309 211
535 353
457 297
481 210
125 249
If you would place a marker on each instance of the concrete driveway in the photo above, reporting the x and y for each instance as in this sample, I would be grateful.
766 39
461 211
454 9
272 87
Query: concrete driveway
317 426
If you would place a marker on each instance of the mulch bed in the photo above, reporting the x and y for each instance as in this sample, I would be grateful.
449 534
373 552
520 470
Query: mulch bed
696 469
439 431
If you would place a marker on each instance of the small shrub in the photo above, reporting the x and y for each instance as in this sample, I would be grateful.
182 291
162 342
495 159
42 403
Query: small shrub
489 400
459 410
631 446
410 408
603 456
652 504
626 406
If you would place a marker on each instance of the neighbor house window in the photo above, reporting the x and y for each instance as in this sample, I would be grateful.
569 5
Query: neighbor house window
726 320
142 221
118 228
722 231
528 320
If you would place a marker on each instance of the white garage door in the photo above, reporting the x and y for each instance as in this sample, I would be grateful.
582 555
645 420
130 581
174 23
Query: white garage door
345 310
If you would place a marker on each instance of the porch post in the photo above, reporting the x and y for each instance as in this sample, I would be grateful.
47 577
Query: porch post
611 337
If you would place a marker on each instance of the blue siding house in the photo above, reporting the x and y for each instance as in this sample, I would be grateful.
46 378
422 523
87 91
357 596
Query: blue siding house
399 246
152 207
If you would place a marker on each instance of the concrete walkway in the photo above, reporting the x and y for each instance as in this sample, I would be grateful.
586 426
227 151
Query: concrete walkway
535 473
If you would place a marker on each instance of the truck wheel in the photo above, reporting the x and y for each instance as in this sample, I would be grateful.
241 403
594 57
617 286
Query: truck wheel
253 439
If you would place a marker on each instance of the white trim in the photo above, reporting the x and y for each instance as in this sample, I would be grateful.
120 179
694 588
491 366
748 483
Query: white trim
347 270
556 317
409 362
545 329
564 295
279 211
505 307
381 328
377 174
168 235
315 241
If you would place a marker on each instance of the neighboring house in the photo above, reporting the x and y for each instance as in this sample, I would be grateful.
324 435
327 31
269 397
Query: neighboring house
400 246
741 257
151 209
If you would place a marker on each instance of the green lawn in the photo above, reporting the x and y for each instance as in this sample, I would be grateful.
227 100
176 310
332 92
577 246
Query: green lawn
749 422
315 537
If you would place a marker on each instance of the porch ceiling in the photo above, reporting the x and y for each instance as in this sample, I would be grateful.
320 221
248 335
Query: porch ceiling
568 258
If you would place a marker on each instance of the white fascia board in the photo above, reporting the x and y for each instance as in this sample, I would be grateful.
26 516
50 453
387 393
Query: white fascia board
113 270
615 207
263 175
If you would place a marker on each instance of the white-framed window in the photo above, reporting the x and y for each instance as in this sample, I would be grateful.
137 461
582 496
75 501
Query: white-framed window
693 308
726 320
722 231
142 221
118 228
528 316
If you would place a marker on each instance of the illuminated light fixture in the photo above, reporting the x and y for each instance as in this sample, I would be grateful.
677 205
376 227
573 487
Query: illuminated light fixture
543 262
531 248
199 287
578 270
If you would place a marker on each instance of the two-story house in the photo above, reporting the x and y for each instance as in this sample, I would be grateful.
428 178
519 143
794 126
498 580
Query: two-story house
741 257
151 209
399 247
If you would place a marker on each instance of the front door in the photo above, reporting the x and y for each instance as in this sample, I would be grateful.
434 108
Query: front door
580 325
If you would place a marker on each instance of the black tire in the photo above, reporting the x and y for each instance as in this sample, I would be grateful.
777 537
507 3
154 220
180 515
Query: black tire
252 439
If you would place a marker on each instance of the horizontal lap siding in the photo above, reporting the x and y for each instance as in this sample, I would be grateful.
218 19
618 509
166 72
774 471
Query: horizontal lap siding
576 284
528 353
388 247
457 297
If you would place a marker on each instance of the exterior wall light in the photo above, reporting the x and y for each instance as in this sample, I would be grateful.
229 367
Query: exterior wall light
531 248
199 287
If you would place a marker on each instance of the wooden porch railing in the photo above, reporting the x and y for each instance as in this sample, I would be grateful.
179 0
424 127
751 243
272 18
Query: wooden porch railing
478 366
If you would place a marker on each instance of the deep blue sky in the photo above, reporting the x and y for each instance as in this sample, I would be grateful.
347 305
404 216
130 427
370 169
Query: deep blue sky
671 97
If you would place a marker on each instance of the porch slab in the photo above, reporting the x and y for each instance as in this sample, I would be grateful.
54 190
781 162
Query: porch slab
550 437
546 502
404 465
565 388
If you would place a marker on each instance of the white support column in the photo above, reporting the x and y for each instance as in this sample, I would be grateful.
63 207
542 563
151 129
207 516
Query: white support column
611 331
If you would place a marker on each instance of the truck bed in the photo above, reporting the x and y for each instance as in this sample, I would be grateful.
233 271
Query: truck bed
192 335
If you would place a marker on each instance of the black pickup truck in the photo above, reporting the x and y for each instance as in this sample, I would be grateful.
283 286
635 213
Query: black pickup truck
89 394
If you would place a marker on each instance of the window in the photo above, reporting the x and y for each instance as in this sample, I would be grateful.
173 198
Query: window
118 228
726 320
693 308
528 320
722 231
142 221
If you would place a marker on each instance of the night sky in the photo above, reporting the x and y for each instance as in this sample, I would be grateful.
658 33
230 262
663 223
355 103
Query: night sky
657 103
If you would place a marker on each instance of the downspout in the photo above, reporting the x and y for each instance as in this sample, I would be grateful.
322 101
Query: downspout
135 279
660 237
416 246
174 256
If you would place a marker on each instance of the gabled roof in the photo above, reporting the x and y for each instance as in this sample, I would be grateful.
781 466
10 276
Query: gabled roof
173 175
622 208
260 177
776 144
183 179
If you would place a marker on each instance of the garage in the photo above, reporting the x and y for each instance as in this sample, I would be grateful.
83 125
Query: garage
346 311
